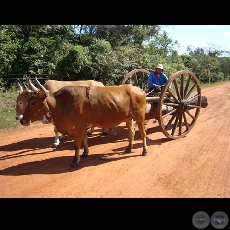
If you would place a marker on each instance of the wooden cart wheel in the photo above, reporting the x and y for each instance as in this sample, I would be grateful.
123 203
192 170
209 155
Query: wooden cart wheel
137 77
178 108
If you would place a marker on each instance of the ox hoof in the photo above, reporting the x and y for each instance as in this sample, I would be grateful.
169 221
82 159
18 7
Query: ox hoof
128 150
84 154
104 133
74 164
89 134
54 146
62 138
144 153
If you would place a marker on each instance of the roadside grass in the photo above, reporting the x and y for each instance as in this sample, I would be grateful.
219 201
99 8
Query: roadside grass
8 106
204 86
7 110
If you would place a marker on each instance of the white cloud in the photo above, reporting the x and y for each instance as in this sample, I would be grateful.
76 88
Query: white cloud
226 34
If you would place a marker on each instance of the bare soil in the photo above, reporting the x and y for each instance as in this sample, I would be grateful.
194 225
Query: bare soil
194 166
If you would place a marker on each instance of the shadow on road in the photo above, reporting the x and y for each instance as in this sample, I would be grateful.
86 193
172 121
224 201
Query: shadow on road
62 164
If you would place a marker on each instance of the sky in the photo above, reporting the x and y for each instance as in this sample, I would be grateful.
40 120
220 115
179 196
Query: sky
199 36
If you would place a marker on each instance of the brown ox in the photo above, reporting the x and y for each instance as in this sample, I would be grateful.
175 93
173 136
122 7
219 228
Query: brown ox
52 86
74 108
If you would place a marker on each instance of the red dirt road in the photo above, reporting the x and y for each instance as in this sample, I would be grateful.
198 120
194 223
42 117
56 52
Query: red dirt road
195 166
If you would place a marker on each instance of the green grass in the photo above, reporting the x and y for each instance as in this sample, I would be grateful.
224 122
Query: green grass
204 86
7 110
8 106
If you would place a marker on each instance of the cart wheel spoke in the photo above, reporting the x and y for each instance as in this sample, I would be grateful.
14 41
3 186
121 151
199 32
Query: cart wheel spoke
186 121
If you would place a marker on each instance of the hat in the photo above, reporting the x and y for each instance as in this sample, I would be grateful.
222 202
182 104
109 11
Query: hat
159 66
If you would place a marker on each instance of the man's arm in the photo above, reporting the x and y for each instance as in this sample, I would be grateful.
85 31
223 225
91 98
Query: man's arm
150 81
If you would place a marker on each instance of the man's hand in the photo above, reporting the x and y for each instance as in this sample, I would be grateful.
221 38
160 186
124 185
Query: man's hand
158 87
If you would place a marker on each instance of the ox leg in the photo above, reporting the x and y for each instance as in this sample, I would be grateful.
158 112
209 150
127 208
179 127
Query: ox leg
141 127
56 139
85 144
80 136
131 129
90 132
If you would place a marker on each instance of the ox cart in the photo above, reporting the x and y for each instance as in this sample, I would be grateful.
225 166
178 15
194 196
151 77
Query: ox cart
177 106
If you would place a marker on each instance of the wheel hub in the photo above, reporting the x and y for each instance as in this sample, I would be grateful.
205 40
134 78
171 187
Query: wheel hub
184 106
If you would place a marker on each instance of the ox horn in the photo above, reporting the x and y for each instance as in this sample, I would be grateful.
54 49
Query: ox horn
40 86
33 87
25 89
44 91
19 87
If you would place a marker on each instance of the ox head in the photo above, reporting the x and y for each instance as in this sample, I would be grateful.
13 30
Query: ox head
22 100
37 107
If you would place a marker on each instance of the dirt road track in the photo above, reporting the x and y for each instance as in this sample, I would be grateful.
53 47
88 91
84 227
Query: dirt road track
195 166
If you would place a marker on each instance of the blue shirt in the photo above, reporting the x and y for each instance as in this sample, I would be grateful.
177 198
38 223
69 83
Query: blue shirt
153 80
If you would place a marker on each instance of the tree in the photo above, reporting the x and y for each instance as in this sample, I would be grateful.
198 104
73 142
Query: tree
8 49
225 66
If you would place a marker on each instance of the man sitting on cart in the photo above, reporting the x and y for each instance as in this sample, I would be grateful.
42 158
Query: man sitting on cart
157 79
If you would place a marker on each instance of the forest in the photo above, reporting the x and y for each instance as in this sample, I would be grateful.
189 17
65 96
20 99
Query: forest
104 53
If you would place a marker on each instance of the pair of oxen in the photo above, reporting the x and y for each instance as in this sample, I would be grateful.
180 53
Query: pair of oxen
52 86
73 109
